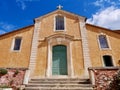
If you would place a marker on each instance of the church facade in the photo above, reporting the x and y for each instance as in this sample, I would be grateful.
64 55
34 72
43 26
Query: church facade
60 44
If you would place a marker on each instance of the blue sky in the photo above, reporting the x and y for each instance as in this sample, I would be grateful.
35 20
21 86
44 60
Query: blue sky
16 14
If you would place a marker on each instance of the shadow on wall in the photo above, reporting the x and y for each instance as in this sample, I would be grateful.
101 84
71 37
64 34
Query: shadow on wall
42 44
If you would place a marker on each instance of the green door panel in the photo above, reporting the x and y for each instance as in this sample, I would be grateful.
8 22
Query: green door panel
59 60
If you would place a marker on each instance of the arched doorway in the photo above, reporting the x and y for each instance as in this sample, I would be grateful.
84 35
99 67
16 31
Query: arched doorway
63 41
59 60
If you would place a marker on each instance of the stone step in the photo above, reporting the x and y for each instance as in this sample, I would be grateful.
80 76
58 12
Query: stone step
59 88
60 82
59 85
63 79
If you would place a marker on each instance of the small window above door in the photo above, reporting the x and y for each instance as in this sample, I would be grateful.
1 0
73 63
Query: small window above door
59 23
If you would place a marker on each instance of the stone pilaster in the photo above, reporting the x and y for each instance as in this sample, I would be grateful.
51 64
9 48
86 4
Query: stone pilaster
85 46
34 48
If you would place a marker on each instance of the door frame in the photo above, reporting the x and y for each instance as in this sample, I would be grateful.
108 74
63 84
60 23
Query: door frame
58 56
67 43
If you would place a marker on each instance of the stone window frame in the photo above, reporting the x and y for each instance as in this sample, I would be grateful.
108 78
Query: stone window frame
112 58
13 44
55 23
107 39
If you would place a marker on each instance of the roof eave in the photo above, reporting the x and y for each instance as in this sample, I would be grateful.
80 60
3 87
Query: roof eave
15 30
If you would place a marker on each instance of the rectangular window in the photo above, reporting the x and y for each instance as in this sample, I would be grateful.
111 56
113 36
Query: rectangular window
59 23
17 43
107 61
103 41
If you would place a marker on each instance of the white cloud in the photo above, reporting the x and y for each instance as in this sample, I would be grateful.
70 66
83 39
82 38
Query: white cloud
106 3
2 32
5 27
108 18
22 3
98 3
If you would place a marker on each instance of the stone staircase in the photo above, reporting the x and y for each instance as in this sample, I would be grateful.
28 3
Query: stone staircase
59 84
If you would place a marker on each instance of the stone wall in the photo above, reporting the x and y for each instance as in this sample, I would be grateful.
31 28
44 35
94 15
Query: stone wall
14 78
102 77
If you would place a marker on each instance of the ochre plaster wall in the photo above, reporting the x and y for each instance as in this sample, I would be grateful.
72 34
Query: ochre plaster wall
71 26
47 29
77 58
96 53
10 58
41 60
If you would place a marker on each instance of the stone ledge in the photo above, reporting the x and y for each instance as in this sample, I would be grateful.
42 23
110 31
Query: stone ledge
103 68
14 68
5 88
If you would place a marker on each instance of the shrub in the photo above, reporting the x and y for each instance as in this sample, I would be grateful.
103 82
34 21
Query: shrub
16 72
3 71
4 86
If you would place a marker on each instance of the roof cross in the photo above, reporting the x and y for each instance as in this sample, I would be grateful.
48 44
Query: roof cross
59 7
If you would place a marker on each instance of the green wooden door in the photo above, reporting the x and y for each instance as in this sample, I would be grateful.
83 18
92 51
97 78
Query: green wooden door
59 60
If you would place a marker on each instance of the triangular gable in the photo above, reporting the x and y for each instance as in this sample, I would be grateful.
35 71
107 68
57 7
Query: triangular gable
60 11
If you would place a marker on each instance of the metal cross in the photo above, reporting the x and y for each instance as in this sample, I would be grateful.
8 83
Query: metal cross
59 7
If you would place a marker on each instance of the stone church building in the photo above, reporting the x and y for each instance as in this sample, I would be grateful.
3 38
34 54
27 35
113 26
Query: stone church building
60 44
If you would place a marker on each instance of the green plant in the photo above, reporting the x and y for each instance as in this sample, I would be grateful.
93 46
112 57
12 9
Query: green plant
16 72
4 86
3 71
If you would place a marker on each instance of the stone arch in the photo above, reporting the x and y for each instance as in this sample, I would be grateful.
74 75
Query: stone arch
59 39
